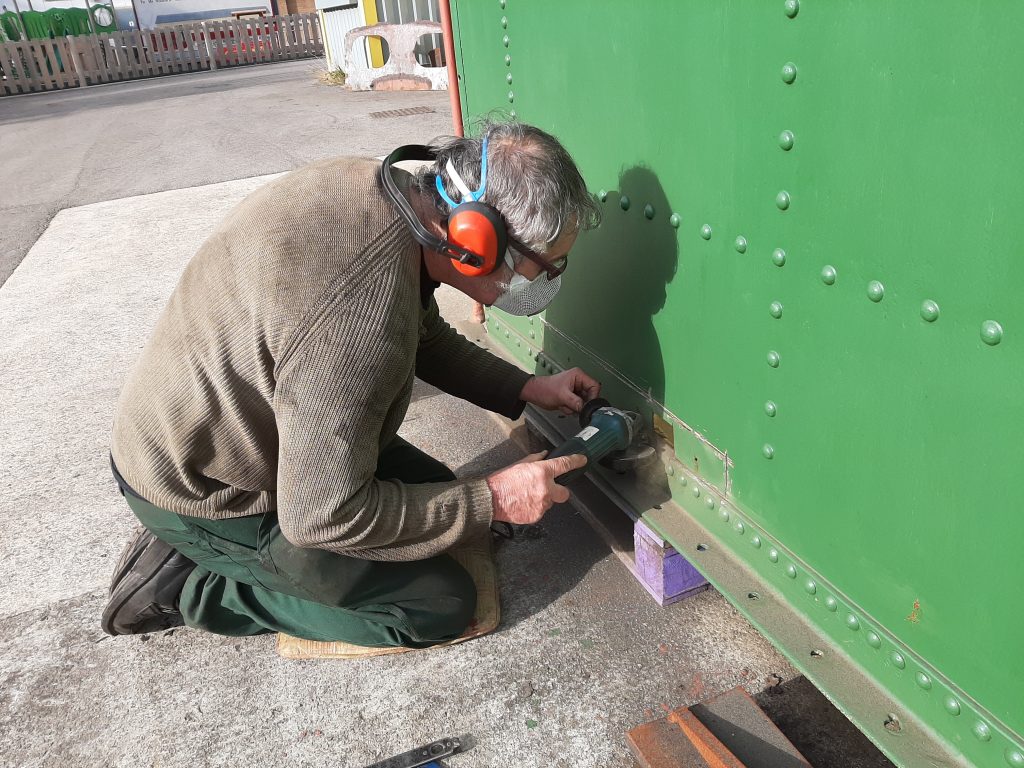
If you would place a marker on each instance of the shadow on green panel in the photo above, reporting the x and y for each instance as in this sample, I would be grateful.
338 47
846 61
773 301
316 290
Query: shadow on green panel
617 282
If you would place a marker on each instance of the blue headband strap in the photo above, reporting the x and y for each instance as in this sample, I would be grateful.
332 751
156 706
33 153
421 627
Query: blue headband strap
474 196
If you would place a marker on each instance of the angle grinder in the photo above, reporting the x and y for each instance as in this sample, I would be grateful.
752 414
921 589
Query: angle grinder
609 435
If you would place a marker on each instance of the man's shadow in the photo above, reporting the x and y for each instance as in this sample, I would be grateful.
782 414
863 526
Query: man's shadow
614 286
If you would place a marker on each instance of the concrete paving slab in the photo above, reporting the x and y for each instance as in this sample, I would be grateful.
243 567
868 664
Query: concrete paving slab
583 653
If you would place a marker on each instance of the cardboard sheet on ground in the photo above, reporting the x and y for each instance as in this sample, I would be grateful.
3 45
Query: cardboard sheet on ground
476 558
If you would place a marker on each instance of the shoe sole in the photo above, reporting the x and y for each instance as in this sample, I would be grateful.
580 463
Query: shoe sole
132 552
125 588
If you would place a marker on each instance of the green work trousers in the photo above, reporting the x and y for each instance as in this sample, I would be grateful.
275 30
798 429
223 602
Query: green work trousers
250 579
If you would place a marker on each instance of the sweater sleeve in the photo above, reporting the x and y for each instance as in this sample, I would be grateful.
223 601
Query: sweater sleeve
332 401
454 364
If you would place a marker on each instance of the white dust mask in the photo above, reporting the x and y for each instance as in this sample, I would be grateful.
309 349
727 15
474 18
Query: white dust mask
526 297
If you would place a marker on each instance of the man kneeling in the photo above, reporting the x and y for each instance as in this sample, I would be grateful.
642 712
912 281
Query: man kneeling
256 438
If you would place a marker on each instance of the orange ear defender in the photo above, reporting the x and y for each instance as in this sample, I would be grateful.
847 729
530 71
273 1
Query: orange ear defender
477 235
478 228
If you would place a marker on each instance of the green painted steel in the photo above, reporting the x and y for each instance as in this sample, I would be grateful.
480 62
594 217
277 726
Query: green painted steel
810 266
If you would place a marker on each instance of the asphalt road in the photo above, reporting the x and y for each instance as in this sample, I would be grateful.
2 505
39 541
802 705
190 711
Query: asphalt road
69 148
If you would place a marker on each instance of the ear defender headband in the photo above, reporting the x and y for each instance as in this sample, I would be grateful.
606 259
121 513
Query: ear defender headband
477 236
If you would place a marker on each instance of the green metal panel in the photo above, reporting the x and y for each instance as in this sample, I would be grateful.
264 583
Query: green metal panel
810 266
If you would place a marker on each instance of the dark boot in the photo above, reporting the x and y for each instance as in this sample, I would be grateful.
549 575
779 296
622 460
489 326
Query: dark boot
145 588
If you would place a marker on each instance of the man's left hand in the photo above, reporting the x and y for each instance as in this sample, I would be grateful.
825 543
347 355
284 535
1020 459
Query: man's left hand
566 391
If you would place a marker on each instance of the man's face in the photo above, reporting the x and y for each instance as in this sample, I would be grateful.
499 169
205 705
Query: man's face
559 249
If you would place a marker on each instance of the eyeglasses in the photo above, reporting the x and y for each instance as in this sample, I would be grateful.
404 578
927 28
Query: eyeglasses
552 268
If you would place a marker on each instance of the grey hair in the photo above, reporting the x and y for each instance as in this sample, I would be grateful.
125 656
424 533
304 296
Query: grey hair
531 180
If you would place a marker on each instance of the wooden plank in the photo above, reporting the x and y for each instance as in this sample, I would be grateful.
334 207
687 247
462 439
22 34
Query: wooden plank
662 744
13 69
251 56
117 64
318 38
274 24
73 63
69 76
742 726
37 61
287 31
302 35
144 65
181 49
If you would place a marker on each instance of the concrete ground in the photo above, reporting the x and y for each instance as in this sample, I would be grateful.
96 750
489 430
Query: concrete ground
582 655
68 148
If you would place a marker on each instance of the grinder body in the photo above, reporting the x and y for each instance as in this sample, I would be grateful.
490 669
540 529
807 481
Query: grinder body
606 431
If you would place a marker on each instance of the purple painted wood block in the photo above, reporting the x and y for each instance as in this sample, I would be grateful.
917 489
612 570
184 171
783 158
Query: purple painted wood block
666 574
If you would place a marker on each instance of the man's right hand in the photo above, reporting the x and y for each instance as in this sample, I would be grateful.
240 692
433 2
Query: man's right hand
523 492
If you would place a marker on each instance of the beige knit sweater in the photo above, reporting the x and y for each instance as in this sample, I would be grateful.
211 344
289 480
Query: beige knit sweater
284 361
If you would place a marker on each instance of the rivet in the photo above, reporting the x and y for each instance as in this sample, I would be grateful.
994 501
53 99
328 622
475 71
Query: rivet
508 60
533 334
503 3
929 311
724 514
709 502
852 622
791 571
705 231
696 491
603 195
649 211
740 527
770 408
923 681
991 332
670 470
828 274
508 78
624 203
810 587
511 97
512 114
682 481
767 451
506 334
831 603
792 8
778 257
897 660
504 22
775 309
874 640
674 220
982 732
504 41
786 140
782 200
773 555
876 291
788 72
741 244
952 706
755 542
1014 757
773 359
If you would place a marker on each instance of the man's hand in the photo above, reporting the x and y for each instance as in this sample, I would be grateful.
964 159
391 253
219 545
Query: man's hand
566 391
523 492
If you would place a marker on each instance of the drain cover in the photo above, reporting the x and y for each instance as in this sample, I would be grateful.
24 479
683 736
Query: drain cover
403 112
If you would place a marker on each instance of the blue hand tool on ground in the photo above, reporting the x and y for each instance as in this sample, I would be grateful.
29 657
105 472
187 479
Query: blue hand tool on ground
423 757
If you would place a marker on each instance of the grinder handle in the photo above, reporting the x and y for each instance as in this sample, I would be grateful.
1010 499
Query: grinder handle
571 446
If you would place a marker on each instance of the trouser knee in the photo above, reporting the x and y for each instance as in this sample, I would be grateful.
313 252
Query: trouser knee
450 610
